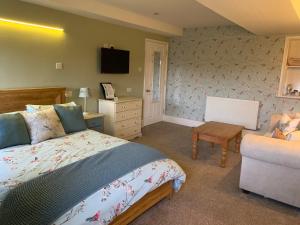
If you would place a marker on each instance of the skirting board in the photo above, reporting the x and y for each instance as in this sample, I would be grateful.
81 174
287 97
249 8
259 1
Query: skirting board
182 121
195 123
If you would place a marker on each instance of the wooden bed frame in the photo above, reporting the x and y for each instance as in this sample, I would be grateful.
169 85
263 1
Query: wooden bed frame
149 200
16 99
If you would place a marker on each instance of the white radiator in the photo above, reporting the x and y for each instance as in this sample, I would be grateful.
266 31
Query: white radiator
233 111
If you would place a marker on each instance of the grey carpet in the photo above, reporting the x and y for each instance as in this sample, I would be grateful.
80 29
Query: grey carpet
211 195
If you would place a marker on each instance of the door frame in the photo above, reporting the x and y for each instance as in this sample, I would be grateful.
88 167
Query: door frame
164 73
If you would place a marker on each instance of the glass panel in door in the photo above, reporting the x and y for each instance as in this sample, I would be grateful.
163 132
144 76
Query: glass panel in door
156 77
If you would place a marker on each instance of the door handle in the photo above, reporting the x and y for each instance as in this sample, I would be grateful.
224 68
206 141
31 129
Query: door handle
148 90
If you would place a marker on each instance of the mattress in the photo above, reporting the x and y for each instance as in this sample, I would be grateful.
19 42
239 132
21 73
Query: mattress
22 163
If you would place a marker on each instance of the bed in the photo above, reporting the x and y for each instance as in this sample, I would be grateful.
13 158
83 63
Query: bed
118 202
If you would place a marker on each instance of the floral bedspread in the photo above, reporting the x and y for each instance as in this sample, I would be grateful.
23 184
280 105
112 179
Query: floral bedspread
20 164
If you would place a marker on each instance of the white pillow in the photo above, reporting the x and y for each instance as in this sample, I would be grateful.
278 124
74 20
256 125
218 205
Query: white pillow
287 124
35 108
285 118
43 125
294 136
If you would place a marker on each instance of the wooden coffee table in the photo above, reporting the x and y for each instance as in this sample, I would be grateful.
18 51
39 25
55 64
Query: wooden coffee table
217 133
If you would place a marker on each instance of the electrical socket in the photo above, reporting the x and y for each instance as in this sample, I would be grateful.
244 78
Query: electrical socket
59 65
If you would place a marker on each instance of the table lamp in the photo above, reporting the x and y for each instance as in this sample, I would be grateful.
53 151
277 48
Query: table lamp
84 93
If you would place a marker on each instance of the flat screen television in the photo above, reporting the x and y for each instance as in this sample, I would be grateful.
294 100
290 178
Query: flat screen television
114 61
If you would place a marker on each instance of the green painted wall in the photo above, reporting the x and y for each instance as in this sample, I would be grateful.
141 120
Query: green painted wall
28 56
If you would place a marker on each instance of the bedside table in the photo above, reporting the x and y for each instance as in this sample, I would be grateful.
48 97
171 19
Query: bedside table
94 121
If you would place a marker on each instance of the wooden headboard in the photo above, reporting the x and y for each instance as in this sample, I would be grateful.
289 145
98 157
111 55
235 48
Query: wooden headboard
16 99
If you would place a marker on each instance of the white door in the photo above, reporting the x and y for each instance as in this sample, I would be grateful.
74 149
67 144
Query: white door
156 56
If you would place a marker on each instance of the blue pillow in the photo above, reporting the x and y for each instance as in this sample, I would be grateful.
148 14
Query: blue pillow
13 130
71 118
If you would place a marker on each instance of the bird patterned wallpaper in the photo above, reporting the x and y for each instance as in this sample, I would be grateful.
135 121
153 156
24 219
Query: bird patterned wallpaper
225 61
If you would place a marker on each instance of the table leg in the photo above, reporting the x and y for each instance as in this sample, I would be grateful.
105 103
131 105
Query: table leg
212 145
224 155
238 140
194 144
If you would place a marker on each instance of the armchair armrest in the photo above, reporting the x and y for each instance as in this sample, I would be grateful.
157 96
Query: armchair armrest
271 150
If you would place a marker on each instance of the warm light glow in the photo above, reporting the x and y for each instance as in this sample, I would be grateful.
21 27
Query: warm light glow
296 5
31 24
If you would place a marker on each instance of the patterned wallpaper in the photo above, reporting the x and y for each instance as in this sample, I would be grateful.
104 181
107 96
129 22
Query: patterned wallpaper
225 62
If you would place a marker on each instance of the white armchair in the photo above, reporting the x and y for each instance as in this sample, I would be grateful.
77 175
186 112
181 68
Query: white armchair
271 167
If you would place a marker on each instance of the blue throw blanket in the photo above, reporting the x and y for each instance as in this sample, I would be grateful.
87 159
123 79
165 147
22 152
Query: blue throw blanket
44 199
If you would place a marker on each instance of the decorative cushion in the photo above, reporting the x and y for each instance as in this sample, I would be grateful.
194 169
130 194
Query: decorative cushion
71 118
274 123
287 124
43 125
277 133
34 108
13 130
294 136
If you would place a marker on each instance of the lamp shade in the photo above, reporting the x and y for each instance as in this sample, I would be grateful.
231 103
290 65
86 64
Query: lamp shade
84 92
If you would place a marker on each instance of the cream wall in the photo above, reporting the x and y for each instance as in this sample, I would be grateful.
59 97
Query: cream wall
225 62
28 56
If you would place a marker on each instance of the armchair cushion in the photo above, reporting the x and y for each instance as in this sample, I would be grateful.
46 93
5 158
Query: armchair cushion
276 151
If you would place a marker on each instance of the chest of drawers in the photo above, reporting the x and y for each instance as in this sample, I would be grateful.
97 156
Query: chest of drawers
123 118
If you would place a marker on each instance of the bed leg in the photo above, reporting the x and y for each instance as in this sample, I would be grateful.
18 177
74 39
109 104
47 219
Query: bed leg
171 191
170 196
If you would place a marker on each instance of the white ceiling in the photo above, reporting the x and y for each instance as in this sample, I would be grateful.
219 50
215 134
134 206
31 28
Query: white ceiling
99 10
181 13
174 15
259 16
